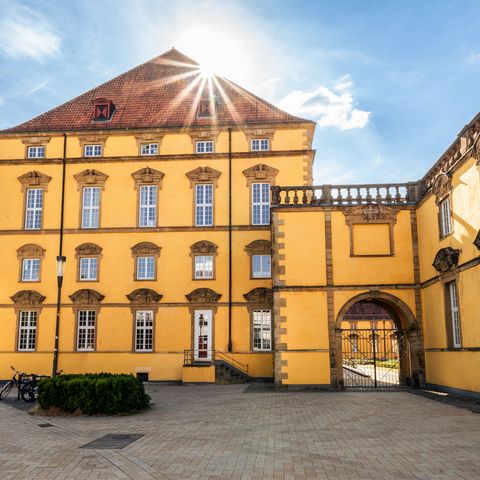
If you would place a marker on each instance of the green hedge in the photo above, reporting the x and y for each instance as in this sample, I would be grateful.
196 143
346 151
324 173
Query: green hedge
104 393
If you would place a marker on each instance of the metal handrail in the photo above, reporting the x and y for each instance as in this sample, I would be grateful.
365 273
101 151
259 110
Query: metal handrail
189 359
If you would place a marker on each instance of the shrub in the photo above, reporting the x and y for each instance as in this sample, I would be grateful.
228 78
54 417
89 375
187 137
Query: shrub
104 393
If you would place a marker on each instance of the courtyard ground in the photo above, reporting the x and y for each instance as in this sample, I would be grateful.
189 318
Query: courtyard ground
227 432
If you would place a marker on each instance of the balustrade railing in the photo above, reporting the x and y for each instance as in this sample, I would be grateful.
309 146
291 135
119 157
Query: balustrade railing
347 195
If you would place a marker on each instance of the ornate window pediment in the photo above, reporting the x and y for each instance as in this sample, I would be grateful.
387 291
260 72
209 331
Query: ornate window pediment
34 179
260 296
204 247
446 259
259 247
86 296
30 250
147 175
476 242
144 296
203 174
91 177
203 295
260 173
442 186
86 249
145 248
27 298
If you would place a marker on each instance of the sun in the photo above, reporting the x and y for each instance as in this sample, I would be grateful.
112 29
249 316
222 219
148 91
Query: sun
216 50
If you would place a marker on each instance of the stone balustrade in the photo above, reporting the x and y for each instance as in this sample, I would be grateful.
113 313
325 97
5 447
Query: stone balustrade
347 195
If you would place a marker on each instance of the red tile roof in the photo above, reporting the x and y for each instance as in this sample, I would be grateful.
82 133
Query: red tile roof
163 92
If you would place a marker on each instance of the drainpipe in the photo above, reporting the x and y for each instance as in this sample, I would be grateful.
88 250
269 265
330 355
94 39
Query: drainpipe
229 239
60 258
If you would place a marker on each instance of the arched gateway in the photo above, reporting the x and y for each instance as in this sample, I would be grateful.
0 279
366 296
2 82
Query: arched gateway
377 344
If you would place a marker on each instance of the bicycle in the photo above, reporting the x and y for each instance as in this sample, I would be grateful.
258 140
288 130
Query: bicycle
29 391
16 380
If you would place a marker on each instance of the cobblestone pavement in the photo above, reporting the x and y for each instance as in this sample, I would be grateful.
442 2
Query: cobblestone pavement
218 432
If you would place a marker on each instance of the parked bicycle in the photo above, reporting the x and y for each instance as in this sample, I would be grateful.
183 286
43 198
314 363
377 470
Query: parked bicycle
29 391
16 380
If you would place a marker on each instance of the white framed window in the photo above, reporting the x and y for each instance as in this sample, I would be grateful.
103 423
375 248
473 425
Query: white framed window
93 150
36 152
90 207
261 266
454 314
204 146
149 149
27 332
33 209
445 217
262 330
30 270
88 269
144 330
260 203
260 144
203 204
203 267
148 206
86 330
145 268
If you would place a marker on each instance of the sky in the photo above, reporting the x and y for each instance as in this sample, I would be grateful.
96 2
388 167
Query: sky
389 83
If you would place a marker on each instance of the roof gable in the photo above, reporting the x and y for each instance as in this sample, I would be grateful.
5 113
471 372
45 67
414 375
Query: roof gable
163 92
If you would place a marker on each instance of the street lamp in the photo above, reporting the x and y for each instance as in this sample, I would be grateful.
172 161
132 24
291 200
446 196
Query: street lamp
60 267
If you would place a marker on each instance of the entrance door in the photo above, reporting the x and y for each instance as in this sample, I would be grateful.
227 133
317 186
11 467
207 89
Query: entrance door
202 340
371 358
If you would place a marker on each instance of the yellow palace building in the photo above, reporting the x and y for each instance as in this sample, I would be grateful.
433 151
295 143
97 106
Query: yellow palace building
194 247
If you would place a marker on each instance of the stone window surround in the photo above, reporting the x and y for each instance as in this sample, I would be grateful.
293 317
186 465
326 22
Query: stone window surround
27 300
85 299
145 249
259 247
203 175
38 141
143 177
143 299
204 247
260 298
146 138
202 136
92 140
368 215
442 189
448 278
259 173
202 299
28 251
90 178
257 134
33 180
88 250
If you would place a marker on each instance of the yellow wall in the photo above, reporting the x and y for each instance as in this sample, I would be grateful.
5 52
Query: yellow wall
119 232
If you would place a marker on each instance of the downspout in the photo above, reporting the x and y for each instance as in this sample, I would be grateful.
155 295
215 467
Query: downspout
60 254
229 239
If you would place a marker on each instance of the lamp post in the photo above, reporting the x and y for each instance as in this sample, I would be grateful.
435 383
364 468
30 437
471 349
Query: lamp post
60 267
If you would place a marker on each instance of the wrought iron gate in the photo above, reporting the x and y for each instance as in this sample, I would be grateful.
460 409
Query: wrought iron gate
371 358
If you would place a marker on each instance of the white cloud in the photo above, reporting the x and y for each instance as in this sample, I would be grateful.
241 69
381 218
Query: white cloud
26 33
330 107
267 89
474 58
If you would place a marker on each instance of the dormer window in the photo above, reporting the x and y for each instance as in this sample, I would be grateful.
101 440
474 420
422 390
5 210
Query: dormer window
103 110
207 107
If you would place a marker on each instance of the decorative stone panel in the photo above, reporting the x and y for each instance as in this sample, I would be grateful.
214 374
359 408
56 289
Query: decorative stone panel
260 297
446 259
34 179
260 173
442 187
144 298
90 178
203 296
259 247
148 175
30 251
86 296
146 248
203 174
204 247
87 249
27 298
